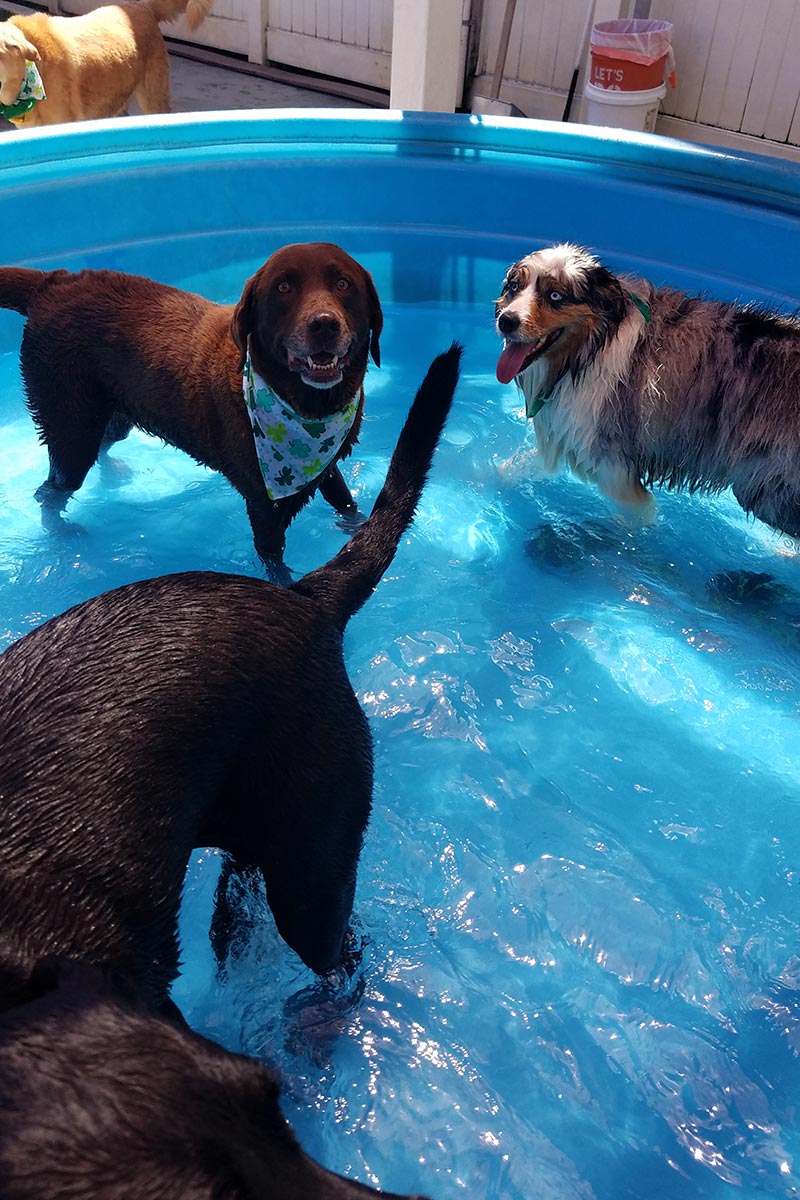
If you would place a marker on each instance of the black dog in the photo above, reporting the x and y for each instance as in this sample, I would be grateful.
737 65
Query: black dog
188 710
101 1100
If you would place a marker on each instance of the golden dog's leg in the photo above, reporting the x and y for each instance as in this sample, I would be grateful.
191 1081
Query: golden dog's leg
152 94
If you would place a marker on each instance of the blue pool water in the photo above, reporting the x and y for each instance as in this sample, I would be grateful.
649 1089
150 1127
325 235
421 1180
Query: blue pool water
578 893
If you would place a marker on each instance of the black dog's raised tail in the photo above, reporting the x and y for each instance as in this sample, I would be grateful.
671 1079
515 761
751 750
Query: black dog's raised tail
342 585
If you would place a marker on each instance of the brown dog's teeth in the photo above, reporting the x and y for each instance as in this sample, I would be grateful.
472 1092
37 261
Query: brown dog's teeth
313 366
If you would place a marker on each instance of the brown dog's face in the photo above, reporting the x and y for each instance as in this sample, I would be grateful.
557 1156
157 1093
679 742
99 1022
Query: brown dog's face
312 317
546 309
15 49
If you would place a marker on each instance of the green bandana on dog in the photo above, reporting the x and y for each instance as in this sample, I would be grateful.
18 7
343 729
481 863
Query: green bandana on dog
30 92
292 450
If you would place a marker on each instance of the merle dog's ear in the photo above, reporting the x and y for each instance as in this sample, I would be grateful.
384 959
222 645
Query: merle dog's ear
242 320
375 319
608 294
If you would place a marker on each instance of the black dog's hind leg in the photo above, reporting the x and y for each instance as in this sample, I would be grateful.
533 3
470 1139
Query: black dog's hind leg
237 890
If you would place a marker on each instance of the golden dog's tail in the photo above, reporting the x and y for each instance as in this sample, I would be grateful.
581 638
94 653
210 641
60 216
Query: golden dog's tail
19 285
347 580
169 10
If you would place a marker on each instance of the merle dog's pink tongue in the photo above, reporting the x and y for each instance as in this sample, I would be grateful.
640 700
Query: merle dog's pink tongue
511 360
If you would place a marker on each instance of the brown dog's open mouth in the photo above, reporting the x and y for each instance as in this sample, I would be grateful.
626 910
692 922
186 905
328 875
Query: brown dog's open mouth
322 369
516 356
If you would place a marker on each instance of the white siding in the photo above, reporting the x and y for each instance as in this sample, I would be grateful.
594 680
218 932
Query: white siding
736 60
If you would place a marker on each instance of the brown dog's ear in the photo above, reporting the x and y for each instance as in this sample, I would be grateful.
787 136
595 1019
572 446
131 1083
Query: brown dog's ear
242 321
375 319
13 36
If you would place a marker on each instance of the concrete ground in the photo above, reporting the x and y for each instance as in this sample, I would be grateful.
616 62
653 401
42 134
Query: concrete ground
201 87
204 87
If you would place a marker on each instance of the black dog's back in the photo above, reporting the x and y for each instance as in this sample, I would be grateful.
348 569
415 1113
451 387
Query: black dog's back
187 710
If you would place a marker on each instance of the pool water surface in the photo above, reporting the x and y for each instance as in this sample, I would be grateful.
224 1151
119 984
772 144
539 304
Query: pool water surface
578 895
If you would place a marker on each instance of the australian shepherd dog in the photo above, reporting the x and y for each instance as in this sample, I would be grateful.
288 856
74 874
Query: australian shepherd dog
632 386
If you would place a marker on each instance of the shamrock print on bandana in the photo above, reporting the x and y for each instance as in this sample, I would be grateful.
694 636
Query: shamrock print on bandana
292 451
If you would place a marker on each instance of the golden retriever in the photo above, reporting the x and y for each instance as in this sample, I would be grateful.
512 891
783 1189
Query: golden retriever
632 385
91 66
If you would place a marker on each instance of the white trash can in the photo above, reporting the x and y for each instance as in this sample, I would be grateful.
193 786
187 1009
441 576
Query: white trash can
623 110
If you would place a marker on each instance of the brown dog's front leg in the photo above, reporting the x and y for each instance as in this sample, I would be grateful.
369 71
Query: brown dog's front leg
268 522
336 492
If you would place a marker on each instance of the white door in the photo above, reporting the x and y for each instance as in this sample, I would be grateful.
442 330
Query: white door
228 26
346 39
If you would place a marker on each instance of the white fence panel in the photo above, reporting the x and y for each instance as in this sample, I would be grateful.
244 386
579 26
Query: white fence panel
226 28
347 39
736 64
736 60
772 100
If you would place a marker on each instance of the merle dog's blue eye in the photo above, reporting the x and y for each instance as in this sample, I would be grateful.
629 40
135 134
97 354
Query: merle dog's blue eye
556 296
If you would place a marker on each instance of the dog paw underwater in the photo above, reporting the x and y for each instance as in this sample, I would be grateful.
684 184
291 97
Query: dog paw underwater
633 386
173 713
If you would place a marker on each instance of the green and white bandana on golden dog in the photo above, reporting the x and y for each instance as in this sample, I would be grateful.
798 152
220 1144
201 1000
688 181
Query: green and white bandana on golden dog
31 90
292 450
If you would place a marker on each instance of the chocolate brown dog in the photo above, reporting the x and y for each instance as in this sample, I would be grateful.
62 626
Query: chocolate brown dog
196 709
101 1100
104 351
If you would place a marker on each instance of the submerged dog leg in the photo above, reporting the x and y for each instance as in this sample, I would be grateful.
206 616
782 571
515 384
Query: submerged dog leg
53 500
236 896
625 489
334 489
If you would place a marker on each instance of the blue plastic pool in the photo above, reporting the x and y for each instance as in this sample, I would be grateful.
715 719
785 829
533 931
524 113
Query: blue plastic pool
579 890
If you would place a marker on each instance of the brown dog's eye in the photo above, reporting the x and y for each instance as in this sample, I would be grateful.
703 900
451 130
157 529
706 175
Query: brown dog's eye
284 286
343 284
512 286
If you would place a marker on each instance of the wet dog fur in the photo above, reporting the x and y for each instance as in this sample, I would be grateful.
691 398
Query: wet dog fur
102 1100
190 710
633 386
103 351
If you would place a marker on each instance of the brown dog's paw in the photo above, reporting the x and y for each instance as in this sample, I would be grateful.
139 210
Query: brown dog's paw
277 571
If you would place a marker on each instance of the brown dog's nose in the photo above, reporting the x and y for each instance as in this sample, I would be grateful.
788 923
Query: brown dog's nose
323 322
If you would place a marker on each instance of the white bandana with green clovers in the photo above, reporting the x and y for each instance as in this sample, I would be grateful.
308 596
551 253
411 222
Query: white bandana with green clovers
292 450
30 91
